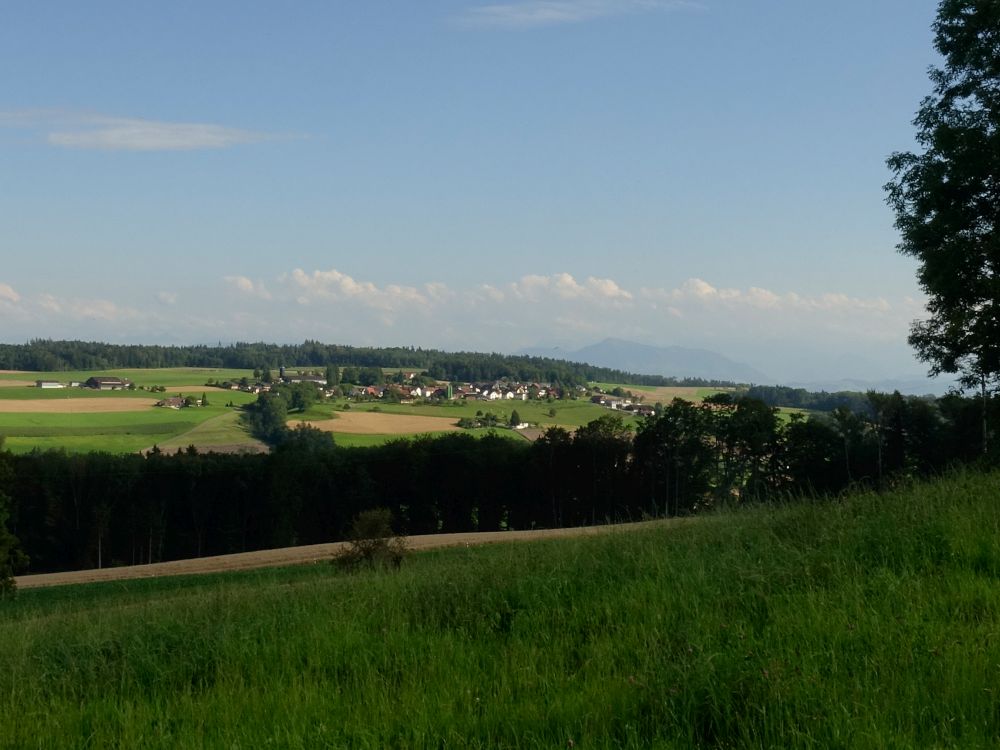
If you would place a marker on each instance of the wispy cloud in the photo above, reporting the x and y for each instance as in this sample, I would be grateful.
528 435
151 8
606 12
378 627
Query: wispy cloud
109 133
534 13
248 286
8 295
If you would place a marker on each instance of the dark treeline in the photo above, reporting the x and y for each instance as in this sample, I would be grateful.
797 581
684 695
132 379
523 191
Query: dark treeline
800 398
48 355
79 511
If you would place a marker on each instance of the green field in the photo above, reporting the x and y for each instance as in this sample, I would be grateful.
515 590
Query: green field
166 376
126 432
866 623
117 432
567 413
225 429
348 440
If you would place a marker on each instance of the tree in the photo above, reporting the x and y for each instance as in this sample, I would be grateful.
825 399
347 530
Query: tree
267 416
12 558
675 458
515 418
946 200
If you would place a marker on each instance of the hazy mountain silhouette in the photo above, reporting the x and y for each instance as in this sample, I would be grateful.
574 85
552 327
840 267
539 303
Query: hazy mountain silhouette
670 361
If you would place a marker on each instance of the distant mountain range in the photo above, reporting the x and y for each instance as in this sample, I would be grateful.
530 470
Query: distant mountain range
906 386
669 361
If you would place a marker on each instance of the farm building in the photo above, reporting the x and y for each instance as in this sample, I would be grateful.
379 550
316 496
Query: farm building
48 384
106 383
314 379
174 402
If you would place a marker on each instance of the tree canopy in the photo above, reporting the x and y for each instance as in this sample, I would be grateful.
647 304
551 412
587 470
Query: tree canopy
947 198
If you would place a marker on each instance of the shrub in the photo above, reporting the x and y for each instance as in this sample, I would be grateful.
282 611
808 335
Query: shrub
372 542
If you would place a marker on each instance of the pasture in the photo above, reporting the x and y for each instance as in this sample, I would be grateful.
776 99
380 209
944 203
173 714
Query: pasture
569 413
165 376
222 433
118 424
81 419
868 622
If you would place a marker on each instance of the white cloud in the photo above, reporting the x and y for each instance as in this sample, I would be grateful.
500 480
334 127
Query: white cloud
534 13
564 286
333 285
49 303
167 298
247 286
8 295
699 291
110 133
101 309
492 292
120 134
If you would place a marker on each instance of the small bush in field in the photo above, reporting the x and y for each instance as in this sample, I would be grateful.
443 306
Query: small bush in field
372 542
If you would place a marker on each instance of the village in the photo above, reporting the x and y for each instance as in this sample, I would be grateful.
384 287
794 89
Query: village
410 387
401 387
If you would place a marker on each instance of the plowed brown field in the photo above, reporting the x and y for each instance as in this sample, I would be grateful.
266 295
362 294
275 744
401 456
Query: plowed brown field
74 405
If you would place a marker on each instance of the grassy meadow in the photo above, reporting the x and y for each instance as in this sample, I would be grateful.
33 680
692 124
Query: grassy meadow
871 622
124 432
121 432
567 413
165 376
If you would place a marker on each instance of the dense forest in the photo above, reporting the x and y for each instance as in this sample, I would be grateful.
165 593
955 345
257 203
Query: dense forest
45 355
78 511
800 398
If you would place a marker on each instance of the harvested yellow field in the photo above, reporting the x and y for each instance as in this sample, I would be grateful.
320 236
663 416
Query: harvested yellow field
75 405
374 423
666 394
16 383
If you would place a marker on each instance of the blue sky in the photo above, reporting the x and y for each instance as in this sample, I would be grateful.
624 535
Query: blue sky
464 175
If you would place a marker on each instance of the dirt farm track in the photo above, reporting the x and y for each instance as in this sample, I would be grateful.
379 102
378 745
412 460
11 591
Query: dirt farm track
75 405
311 554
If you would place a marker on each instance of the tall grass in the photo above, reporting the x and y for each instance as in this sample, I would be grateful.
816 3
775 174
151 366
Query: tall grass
871 622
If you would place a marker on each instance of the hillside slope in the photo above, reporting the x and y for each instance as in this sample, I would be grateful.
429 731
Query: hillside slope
867 622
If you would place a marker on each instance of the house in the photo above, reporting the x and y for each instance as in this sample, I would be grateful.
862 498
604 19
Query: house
106 383
48 384
363 391
174 402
